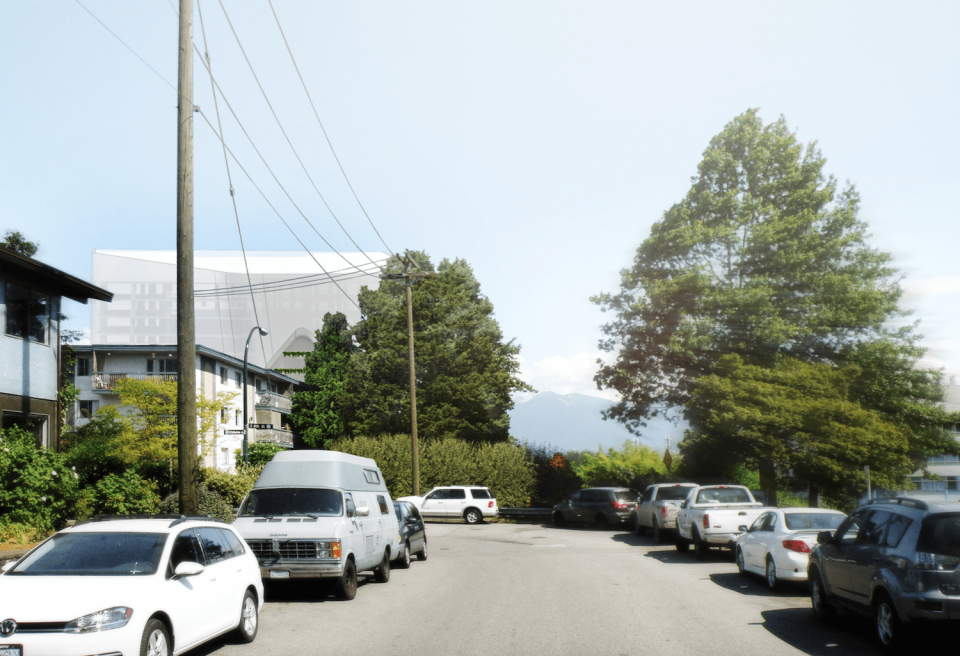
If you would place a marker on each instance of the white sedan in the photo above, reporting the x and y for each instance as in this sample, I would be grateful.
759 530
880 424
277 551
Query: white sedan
115 586
777 545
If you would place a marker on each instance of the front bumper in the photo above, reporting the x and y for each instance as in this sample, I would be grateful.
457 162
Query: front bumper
298 569
123 641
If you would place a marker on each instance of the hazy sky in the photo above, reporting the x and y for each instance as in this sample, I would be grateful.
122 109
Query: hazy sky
537 140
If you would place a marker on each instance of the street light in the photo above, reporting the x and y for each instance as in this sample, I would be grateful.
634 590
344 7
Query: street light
246 420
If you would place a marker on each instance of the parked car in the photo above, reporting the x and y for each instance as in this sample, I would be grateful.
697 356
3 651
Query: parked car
777 545
473 503
658 508
897 560
130 586
713 516
603 506
320 514
413 536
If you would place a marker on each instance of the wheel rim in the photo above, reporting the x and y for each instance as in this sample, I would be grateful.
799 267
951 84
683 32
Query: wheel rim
885 623
157 644
771 574
406 554
249 616
740 563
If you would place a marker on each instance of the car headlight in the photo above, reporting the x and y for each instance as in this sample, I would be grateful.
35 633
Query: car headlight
104 620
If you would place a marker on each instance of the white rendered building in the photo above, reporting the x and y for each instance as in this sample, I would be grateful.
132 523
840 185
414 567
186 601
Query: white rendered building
291 291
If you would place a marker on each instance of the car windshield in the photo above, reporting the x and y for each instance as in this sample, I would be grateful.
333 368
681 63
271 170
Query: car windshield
292 501
723 495
627 495
813 521
673 493
940 534
95 554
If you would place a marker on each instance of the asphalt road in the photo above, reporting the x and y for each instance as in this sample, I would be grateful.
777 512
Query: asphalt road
539 590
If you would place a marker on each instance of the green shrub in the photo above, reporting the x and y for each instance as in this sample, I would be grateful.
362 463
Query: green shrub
211 504
258 453
633 466
18 536
232 487
126 494
504 468
556 478
37 488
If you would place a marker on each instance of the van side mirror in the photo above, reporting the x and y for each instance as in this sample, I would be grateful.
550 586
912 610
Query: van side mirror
351 508
824 537
363 511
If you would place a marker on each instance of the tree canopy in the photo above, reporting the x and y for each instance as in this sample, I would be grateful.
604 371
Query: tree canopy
15 241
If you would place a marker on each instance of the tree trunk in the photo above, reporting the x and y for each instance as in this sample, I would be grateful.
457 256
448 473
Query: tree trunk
768 481
813 496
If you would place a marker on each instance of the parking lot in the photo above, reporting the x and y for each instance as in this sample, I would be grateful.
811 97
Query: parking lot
533 589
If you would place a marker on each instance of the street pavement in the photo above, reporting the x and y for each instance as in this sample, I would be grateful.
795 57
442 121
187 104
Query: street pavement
538 590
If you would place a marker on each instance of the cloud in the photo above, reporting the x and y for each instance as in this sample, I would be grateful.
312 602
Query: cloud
940 286
565 374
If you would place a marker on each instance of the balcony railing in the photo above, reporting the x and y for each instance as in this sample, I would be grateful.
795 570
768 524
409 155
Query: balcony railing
272 401
275 435
106 382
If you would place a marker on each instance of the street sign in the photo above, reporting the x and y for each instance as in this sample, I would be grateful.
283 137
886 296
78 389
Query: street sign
261 426
233 431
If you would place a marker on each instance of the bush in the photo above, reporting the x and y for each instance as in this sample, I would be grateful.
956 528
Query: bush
258 453
18 536
502 467
556 477
37 488
211 504
634 466
232 487
127 494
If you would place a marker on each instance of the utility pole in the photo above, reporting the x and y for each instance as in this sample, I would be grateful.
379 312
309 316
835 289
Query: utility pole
186 338
408 276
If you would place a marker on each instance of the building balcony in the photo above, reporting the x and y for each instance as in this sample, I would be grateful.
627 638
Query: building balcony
274 435
272 401
106 382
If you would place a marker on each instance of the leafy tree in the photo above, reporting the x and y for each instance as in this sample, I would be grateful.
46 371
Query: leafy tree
465 372
556 477
68 392
258 454
317 414
37 488
125 494
104 445
634 466
17 242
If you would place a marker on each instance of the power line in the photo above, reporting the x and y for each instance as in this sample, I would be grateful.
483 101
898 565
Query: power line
287 283
324 130
285 136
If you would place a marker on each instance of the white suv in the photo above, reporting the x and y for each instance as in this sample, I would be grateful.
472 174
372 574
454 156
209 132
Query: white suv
472 502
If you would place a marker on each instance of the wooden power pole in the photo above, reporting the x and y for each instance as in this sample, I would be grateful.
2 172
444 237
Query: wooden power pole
409 276
186 338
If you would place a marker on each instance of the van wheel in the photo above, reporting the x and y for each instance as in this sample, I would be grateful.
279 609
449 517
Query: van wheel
472 516
347 584
423 552
382 573
404 560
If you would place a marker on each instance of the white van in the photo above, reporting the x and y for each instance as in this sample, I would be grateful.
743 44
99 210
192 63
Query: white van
320 514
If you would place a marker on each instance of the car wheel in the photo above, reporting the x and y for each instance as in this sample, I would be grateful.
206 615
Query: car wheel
818 598
423 552
600 520
741 565
382 573
249 618
155 640
886 624
771 573
700 548
558 519
641 529
347 585
404 560
472 516
657 533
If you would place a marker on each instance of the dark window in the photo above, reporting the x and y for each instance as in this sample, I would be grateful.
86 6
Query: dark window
847 533
723 495
895 529
223 375
186 549
397 508
940 534
873 527
238 377
813 521
575 496
371 476
772 522
83 366
28 313
95 554
292 501
672 493
480 493
214 549
457 494
412 510
87 408
627 495
437 495
591 496
758 523
33 424
382 502
647 495
168 366
348 501
236 545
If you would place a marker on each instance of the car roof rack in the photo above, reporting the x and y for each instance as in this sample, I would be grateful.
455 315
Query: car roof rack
902 501
177 519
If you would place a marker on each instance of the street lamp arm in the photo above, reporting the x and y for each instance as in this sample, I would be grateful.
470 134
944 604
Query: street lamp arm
246 420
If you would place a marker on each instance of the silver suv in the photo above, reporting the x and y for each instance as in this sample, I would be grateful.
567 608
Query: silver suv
897 560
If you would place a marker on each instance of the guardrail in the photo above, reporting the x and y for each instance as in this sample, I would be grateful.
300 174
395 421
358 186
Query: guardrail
526 513
101 381
274 401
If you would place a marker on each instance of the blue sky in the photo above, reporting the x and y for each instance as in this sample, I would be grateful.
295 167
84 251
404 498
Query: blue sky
537 140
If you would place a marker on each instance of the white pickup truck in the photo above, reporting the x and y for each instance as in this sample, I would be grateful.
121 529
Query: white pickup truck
711 516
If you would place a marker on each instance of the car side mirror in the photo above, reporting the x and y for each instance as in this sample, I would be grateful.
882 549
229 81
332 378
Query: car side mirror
363 511
683 505
187 568
824 537
742 528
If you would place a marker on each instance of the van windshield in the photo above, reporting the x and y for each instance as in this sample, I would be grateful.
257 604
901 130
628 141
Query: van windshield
292 501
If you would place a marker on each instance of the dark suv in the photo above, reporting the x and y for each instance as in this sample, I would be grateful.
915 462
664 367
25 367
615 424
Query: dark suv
602 506
893 559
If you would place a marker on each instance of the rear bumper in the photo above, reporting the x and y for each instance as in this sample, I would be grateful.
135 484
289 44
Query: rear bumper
720 539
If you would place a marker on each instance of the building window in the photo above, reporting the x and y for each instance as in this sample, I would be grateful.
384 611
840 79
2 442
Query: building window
223 375
28 313
259 385
33 424
162 366
83 366
87 408
237 376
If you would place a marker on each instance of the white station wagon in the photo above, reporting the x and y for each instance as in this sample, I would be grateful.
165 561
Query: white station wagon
117 586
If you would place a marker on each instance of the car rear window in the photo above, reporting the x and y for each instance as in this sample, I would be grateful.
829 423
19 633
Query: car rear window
940 534
627 495
95 554
813 521
292 501
672 493
480 493
723 495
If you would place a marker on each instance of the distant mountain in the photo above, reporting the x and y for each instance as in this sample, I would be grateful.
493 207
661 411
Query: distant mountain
573 422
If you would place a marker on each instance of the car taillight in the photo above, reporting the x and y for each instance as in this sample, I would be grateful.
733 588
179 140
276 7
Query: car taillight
490 505
925 560
706 520
618 504
335 549
796 545
663 511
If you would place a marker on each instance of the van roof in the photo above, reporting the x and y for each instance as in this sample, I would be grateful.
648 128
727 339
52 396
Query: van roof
330 469
316 455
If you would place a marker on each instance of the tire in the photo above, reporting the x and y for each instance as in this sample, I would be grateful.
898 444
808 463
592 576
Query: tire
641 529
472 516
771 574
700 548
404 561
601 521
249 619
886 624
741 564
422 554
818 598
155 640
347 583
657 533
382 573
558 519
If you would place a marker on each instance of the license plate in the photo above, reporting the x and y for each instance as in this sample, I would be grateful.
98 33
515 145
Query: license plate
11 650
273 575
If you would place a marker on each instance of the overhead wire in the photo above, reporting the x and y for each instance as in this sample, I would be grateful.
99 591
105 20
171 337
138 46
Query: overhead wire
324 130
276 287
305 278
287 137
